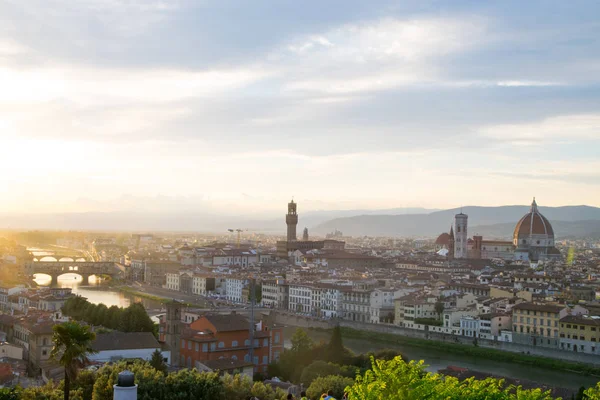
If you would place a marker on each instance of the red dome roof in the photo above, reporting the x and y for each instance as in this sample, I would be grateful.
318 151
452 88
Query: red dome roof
533 223
443 239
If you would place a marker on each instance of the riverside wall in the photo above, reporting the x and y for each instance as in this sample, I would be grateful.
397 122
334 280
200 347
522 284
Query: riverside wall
301 321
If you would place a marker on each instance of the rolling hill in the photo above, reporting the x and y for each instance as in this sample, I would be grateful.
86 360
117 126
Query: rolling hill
495 222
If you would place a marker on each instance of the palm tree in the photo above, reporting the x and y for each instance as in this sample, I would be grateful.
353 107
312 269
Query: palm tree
72 342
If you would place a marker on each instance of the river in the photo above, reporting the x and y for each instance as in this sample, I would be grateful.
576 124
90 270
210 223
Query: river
436 360
97 291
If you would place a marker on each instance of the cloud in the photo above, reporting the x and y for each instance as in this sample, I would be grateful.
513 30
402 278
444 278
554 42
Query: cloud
96 86
376 55
570 127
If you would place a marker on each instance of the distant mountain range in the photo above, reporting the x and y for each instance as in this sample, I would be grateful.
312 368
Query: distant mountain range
493 222
181 220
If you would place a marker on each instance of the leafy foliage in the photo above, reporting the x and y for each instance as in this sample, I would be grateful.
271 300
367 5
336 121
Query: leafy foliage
131 319
335 383
9 394
322 368
154 385
398 380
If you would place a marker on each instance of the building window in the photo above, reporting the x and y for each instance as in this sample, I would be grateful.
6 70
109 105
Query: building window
44 352
247 357
189 345
247 342
204 347
255 361
234 358
221 345
265 360
234 343
182 344
213 346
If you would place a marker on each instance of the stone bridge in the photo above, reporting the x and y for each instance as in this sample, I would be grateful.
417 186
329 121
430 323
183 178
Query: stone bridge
85 269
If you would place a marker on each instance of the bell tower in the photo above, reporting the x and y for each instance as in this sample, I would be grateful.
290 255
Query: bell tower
173 330
291 219
460 238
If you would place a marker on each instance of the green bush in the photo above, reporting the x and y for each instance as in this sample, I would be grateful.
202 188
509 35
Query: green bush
398 380
322 384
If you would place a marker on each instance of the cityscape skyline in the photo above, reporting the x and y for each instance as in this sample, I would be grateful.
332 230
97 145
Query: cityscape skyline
423 104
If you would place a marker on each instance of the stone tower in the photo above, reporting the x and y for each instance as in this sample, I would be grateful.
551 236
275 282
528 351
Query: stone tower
173 330
291 219
460 234
451 243
305 235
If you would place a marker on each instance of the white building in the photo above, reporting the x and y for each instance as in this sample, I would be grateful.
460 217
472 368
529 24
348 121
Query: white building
275 294
235 257
331 302
476 327
451 318
381 303
300 299
116 345
202 284
173 279
233 289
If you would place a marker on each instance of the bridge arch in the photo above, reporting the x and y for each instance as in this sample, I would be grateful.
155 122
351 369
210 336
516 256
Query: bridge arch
83 268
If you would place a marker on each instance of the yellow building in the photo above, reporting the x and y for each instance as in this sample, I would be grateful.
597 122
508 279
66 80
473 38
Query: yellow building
580 333
537 324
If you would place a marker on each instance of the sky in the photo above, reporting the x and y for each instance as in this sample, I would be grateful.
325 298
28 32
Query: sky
156 104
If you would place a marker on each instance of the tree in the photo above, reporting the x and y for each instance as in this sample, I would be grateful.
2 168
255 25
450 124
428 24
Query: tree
335 383
72 344
301 342
336 352
398 380
157 362
318 369
439 308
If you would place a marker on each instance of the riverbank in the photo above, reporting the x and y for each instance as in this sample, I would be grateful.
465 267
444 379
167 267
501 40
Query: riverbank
470 350
129 290
160 299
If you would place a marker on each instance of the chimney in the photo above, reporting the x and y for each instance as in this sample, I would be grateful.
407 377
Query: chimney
125 389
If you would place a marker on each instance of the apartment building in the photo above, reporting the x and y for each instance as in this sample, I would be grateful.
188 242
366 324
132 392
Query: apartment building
331 302
173 281
234 289
537 324
356 305
300 299
381 304
275 294
202 285
227 337
580 333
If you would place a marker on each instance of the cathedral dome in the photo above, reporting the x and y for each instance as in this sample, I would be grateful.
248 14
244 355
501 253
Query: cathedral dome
443 239
533 227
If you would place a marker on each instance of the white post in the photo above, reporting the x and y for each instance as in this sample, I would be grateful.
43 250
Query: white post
125 389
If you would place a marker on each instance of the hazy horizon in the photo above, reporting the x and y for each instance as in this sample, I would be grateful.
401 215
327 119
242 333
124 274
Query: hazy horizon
343 105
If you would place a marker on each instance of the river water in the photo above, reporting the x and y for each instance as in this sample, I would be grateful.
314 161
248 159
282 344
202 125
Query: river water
96 291
436 360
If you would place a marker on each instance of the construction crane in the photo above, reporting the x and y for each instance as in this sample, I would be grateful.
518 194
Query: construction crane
239 235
